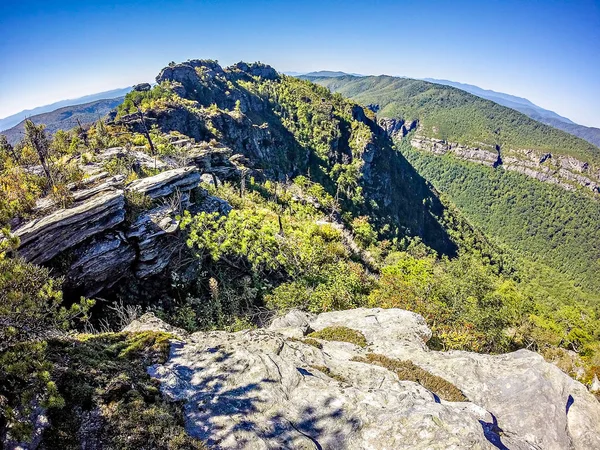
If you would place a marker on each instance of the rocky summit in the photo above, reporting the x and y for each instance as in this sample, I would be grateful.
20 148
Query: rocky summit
365 379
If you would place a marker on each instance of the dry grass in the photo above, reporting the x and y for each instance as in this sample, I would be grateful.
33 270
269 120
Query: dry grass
341 334
327 371
307 341
407 371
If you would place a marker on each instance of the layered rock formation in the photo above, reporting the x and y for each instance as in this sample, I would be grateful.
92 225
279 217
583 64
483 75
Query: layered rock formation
94 245
272 388
564 171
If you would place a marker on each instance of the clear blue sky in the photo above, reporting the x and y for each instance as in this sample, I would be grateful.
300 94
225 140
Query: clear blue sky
546 51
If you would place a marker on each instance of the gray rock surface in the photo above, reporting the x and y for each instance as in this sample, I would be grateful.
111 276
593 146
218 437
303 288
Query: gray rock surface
100 262
167 182
564 171
44 238
155 235
259 389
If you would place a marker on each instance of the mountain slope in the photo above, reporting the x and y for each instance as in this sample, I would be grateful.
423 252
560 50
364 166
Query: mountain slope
66 118
450 114
557 228
590 134
14 119
223 196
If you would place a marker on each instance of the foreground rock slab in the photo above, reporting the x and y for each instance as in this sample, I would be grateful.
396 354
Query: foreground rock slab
270 388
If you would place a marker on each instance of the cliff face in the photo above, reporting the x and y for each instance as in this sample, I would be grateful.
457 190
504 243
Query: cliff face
565 171
285 388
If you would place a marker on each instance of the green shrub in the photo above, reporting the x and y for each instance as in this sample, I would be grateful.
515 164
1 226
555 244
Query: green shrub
136 203
107 373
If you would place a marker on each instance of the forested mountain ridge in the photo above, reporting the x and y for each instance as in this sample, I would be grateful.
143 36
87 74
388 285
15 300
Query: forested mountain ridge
65 118
590 134
451 120
548 225
11 121
217 199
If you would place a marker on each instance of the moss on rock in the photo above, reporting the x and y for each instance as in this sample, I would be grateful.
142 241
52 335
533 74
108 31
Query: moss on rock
408 371
342 334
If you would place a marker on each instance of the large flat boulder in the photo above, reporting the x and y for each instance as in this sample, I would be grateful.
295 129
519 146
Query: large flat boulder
167 182
263 389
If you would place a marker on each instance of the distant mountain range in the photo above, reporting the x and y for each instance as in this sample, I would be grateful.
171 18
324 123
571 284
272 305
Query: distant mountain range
13 120
323 74
590 134
60 119
65 118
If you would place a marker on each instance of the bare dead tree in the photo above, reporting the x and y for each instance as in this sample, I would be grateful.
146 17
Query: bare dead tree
36 137
145 130
82 133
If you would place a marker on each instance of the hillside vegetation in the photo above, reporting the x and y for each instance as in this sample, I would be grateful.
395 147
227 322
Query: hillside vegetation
451 114
323 213
541 222
65 118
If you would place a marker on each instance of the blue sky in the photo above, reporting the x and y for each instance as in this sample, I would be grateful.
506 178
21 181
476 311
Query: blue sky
546 51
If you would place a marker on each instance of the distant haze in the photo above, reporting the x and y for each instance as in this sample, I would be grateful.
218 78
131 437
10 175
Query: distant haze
546 52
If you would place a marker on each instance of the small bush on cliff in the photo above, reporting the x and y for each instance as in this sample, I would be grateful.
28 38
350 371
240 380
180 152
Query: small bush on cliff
135 204
30 300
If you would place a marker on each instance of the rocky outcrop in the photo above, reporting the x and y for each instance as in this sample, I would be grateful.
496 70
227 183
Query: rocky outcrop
166 183
484 155
397 128
44 238
564 171
155 237
99 263
90 242
272 388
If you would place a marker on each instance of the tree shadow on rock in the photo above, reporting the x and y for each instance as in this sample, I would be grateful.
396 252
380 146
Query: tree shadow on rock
226 414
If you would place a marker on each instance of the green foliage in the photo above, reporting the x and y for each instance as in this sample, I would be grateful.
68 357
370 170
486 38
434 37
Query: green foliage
340 334
408 371
107 373
30 309
30 301
543 223
135 204
363 231
160 96
451 114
